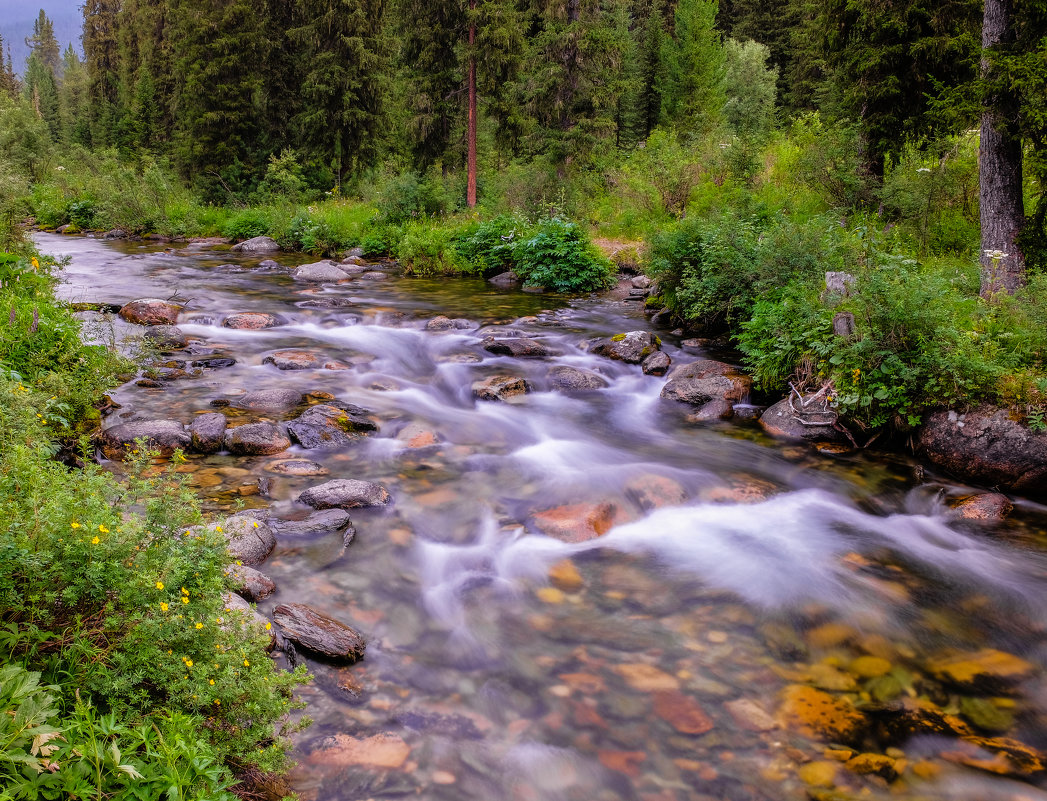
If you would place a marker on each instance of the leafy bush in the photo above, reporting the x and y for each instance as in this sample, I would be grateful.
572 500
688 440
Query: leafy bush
487 247
284 180
426 249
310 235
380 240
246 224
410 196
558 255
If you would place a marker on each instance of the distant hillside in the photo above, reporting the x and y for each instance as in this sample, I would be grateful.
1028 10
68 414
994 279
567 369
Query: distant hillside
16 23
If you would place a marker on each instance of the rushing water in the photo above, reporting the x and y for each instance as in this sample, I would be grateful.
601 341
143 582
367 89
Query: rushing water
653 664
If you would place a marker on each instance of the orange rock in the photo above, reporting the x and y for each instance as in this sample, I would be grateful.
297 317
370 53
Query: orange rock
565 576
587 683
681 712
653 492
987 670
578 522
646 678
585 716
380 751
627 762
818 714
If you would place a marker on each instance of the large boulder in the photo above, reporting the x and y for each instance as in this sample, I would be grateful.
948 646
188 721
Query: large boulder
506 279
501 388
151 311
520 348
238 608
657 363
706 382
252 321
329 426
343 493
787 418
574 379
988 446
207 432
270 400
248 537
166 337
165 436
319 633
632 347
249 583
321 272
256 439
259 244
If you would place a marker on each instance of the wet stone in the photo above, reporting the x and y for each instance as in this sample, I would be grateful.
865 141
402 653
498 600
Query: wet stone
256 439
380 751
294 360
323 272
656 364
815 713
574 379
214 363
327 426
519 348
501 388
318 523
373 275
986 671
681 712
577 522
270 400
151 311
325 303
296 467
208 432
165 436
250 583
345 494
631 348
167 336
319 633
252 321
987 506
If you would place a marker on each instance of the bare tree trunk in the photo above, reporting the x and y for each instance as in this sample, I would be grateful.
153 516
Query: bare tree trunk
1000 168
470 191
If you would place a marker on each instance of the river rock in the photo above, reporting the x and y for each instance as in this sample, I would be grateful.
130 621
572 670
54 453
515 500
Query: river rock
640 282
505 279
320 272
165 436
444 323
501 387
248 539
268 264
632 348
656 364
319 633
329 426
293 360
250 583
258 244
373 275
987 506
578 522
324 521
252 321
151 311
988 446
782 420
215 363
207 432
325 303
237 607
521 348
707 382
256 439
166 337
816 713
270 400
574 379
985 672
345 494
296 467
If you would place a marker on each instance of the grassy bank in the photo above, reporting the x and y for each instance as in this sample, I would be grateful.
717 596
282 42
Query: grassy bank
122 674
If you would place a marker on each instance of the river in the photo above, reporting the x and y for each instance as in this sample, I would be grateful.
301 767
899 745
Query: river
761 620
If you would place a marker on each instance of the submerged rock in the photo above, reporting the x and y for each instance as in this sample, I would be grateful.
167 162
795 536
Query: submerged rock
325 521
328 426
988 506
577 522
165 436
985 672
294 360
988 446
345 494
632 348
270 400
317 632
815 713
258 244
151 311
166 337
574 379
256 439
520 348
252 321
501 387
296 467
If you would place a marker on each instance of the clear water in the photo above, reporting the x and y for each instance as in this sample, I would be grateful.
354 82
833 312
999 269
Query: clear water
735 566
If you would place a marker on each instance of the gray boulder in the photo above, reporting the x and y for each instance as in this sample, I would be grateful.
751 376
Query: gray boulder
270 400
321 272
574 379
704 381
632 347
259 244
324 521
249 583
329 426
520 348
296 467
788 418
319 633
165 436
345 493
506 279
656 364
248 538
207 432
256 439
501 388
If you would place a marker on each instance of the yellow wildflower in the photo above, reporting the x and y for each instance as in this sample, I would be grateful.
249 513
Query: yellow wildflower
185 599
218 529
217 702
163 606
268 626
211 682
159 585
189 663
35 263
95 540
185 591
199 625
74 524
103 529
246 663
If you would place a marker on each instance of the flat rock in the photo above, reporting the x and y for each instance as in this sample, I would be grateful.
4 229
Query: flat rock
296 467
165 436
783 420
322 522
327 426
294 360
207 432
574 379
319 633
373 275
380 751
258 244
321 272
151 311
815 713
501 388
577 522
252 321
984 672
750 716
250 583
215 362
520 348
325 303
256 439
166 337
987 446
681 712
632 347
270 400
344 493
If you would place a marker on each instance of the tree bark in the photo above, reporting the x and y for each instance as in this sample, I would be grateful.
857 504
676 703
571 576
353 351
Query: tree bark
470 191
1000 167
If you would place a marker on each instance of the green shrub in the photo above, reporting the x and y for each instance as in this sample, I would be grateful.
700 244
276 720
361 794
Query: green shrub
246 224
558 255
427 249
487 247
410 196
310 235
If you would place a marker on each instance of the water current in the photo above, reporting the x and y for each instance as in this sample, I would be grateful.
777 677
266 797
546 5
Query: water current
760 620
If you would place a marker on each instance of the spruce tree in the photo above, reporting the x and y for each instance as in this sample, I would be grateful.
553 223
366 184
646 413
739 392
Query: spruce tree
73 100
41 91
44 44
692 87
102 62
8 79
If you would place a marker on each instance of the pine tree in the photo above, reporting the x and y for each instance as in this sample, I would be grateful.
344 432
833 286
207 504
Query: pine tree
44 44
41 91
102 63
73 100
8 79
692 88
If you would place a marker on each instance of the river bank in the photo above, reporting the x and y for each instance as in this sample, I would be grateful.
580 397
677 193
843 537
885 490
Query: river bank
762 619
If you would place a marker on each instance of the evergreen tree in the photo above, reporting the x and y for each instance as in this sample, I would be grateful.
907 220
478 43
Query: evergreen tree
102 62
8 79
692 88
73 100
44 44
651 77
41 91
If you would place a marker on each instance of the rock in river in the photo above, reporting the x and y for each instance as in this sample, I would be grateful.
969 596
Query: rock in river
632 348
208 432
259 244
501 387
250 583
988 446
296 467
248 538
321 272
151 311
706 381
322 522
520 348
163 435
252 321
656 364
783 420
328 426
294 360
256 439
270 400
574 379
317 632
345 494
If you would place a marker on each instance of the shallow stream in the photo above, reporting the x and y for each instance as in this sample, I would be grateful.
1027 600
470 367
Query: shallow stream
685 654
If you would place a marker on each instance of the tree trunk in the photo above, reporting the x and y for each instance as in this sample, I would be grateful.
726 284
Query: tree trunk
470 191
1000 167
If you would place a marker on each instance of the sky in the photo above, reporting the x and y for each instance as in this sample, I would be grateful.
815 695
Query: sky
16 23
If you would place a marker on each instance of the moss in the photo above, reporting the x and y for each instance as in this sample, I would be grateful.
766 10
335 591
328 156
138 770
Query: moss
618 338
